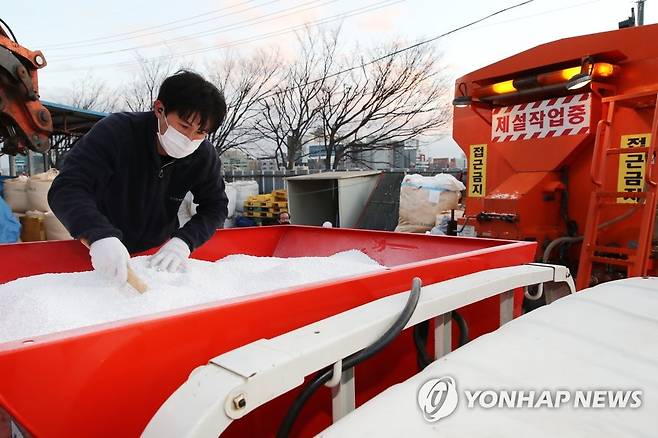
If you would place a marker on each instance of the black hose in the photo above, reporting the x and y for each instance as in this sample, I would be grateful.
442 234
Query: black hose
9 29
461 230
323 376
463 328
571 225
421 333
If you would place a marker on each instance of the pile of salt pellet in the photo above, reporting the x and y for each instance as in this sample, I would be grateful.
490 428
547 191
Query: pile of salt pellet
50 303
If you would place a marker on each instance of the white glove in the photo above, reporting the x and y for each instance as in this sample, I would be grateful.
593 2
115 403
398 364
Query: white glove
172 256
110 257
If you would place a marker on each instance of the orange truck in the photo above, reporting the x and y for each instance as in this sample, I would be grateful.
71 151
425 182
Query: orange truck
560 141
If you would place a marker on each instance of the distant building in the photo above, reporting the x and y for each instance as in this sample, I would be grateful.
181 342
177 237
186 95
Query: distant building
267 164
423 163
313 152
377 159
395 155
440 163
405 155
398 155
460 162
234 159
314 155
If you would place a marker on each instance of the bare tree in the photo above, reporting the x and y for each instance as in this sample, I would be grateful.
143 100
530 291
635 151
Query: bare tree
91 93
140 94
291 109
244 83
392 100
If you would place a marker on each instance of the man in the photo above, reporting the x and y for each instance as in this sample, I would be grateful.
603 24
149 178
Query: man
284 218
120 187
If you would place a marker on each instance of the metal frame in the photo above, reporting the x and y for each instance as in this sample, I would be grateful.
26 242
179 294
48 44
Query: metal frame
237 382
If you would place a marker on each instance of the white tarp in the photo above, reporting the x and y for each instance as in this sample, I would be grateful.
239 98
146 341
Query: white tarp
604 338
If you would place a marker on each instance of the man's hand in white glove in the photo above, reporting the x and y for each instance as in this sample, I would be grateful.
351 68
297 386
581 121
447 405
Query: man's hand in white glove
172 256
110 257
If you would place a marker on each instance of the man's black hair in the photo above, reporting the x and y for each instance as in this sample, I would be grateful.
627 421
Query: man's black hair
188 93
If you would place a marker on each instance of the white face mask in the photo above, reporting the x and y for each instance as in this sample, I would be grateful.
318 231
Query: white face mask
175 143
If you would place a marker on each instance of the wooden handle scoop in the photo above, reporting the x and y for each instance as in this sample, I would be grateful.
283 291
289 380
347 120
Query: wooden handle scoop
133 279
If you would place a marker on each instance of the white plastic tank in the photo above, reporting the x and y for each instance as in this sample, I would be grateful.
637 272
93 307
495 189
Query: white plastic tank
245 189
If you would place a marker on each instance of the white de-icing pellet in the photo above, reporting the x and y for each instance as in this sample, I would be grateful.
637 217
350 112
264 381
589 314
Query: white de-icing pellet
50 303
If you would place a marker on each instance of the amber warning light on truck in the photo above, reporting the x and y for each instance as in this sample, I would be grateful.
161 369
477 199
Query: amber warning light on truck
599 70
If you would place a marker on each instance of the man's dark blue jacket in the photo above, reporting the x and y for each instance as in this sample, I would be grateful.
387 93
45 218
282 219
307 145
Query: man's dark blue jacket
113 183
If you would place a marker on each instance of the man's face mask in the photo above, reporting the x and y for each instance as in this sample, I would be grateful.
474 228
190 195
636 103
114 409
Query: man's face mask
175 143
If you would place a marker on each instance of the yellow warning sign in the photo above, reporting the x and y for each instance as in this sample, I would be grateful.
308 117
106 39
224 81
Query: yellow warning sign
477 171
631 166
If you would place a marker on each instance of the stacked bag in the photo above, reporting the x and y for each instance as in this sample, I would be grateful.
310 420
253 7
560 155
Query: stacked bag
232 194
28 199
188 207
245 190
15 193
423 199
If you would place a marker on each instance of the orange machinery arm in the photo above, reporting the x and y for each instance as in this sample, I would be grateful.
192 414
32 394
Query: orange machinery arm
24 121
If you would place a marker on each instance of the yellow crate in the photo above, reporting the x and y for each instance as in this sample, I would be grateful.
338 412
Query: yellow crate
280 196
260 198
276 210
260 214
269 204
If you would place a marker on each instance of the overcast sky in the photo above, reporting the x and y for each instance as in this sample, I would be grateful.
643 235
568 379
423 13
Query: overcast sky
79 37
